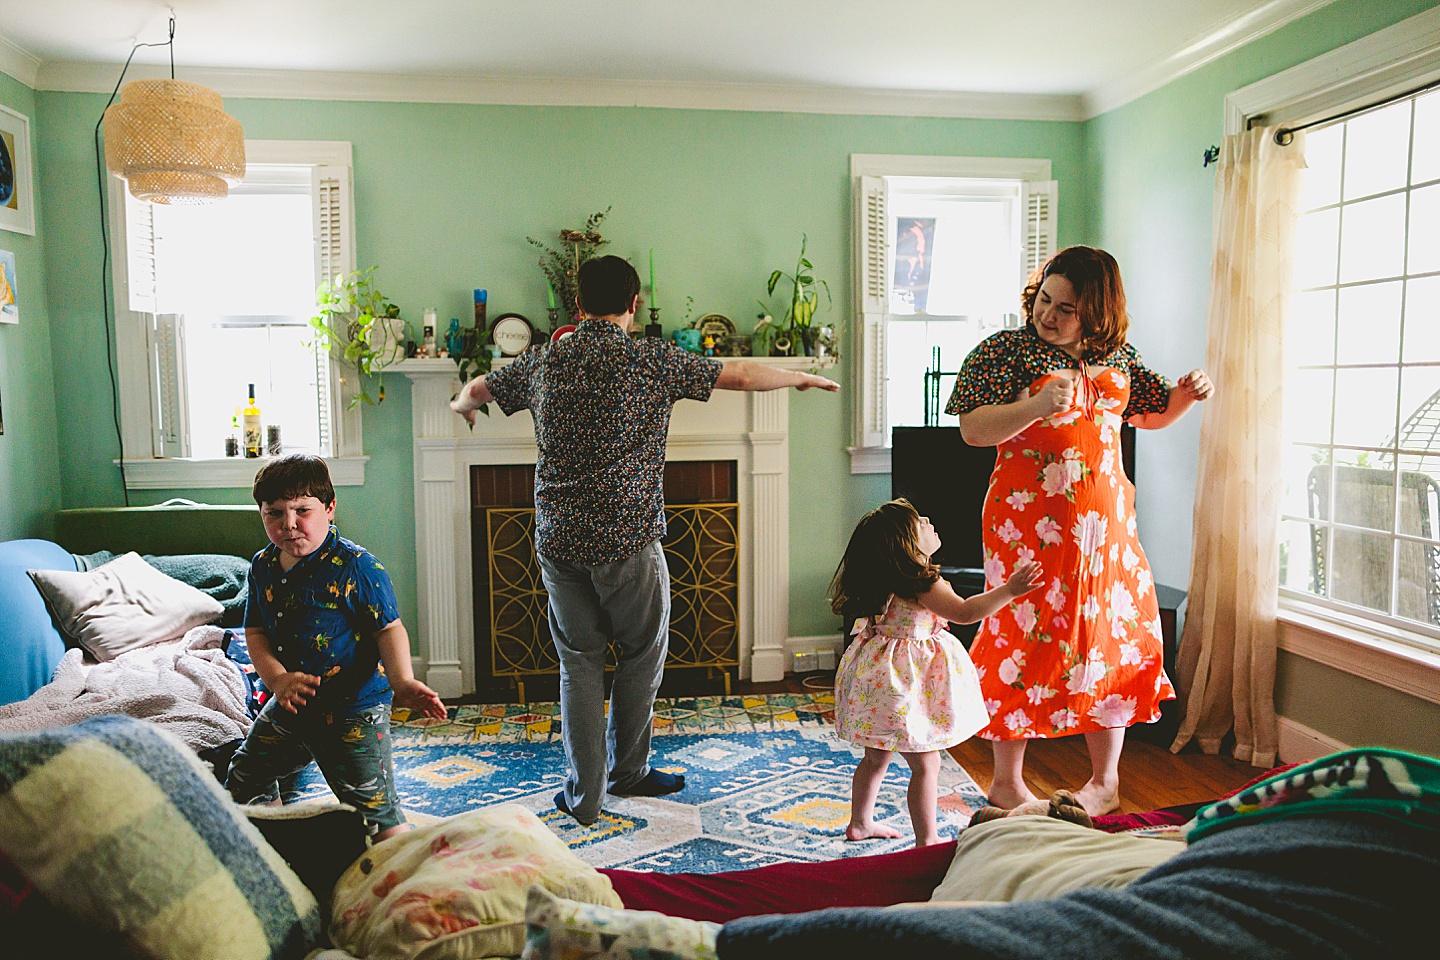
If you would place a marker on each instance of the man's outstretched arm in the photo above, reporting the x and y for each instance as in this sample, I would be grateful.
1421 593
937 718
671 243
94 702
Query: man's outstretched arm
755 377
470 398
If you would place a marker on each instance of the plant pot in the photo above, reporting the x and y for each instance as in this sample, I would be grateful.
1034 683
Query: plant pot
687 339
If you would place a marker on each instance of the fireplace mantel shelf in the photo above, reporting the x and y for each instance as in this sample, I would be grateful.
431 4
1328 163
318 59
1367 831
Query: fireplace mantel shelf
441 366
750 429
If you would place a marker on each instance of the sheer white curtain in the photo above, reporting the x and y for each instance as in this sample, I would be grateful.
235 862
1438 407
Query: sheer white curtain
1227 654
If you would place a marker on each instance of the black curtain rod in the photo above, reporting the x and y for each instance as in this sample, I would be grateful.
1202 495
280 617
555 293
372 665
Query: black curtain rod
1284 135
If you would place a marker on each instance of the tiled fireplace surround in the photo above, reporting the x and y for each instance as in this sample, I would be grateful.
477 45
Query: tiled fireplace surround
751 429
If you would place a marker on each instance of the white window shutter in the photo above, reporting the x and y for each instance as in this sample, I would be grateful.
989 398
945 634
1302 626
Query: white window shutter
1040 204
166 346
874 239
333 193
872 401
140 272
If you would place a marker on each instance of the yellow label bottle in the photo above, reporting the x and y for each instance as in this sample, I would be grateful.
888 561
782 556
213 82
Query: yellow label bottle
250 417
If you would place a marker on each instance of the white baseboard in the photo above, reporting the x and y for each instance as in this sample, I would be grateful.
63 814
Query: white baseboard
1300 744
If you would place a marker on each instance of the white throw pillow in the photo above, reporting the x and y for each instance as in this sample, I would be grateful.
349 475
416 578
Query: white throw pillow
122 605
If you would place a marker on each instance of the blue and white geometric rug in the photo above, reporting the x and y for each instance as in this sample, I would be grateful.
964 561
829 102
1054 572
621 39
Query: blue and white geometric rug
767 781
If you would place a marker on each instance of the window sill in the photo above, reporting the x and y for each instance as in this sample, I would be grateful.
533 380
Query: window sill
227 472
1360 650
869 459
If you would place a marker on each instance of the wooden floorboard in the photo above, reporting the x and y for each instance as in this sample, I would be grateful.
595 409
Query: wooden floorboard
1151 777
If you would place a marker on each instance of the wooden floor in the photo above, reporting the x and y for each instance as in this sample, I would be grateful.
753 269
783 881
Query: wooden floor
1150 776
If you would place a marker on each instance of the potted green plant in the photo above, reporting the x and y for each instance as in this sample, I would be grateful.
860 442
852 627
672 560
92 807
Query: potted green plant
805 290
361 328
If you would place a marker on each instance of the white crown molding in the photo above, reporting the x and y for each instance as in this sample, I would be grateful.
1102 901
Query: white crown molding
75 77
1386 62
18 62
1211 46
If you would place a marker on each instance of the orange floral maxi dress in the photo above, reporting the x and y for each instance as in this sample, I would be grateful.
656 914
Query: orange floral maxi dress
1083 652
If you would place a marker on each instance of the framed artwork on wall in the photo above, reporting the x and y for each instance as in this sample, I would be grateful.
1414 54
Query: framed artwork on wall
9 294
17 197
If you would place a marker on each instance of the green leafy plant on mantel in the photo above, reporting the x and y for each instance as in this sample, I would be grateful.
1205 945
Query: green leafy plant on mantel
562 267
360 327
805 290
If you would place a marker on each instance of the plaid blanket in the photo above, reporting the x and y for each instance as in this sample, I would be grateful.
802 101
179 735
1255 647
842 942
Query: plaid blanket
115 822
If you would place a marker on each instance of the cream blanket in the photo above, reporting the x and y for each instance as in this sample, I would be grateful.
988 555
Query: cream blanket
187 686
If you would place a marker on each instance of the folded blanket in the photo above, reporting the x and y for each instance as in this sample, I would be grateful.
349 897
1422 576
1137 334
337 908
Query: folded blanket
1390 783
1332 885
218 575
187 686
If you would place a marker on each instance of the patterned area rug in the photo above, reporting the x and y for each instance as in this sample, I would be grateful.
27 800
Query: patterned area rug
766 782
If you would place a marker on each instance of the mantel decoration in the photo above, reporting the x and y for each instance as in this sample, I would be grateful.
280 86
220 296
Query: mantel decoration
796 332
562 267
172 141
360 326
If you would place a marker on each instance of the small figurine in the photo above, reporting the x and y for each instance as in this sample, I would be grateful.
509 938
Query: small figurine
709 345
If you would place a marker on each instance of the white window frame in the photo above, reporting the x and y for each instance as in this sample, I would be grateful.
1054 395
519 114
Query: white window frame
1386 63
150 378
870 447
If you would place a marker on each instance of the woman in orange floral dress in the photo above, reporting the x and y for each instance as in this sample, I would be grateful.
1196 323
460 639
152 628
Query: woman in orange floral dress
1084 656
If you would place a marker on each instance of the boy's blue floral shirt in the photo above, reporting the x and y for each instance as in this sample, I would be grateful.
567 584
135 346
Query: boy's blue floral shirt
321 617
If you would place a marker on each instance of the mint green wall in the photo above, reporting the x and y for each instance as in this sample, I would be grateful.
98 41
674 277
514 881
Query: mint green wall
1150 203
445 197
1151 206
29 465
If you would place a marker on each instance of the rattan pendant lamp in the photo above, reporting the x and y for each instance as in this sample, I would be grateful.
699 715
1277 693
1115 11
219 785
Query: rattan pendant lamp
172 141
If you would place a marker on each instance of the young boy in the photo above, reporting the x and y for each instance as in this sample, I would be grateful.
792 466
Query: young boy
325 635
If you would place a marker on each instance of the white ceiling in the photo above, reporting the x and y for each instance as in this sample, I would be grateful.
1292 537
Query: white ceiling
1093 54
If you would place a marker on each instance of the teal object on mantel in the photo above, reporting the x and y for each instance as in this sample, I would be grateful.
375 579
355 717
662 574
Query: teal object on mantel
687 339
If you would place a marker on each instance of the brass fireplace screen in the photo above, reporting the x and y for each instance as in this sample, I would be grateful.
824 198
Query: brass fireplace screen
701 548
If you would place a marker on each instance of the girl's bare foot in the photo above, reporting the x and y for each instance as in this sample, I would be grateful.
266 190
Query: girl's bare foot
1098 799
870 831
1007 797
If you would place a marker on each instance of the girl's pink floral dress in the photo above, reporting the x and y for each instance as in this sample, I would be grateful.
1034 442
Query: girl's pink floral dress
905 683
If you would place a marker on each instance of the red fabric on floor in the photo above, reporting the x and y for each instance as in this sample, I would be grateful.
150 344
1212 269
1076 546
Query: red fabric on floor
908 876
903 877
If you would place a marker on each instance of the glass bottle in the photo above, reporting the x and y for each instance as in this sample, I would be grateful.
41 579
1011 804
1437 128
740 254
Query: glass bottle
250 417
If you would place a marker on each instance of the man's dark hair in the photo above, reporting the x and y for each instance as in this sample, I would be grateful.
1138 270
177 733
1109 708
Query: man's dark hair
608 286
293 476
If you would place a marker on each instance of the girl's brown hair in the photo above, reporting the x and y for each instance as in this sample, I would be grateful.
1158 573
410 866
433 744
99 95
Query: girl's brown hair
1099 296
883 557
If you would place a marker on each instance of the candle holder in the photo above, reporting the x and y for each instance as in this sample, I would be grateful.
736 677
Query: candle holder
653 328
554 314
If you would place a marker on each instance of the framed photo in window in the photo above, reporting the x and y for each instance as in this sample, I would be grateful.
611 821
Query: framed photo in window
17 196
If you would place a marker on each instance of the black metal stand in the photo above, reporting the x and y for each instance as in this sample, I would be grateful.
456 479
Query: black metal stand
933 373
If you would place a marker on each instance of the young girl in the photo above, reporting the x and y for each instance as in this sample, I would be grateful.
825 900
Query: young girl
906 684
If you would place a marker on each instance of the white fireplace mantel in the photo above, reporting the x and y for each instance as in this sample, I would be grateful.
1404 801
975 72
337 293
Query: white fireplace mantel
752 429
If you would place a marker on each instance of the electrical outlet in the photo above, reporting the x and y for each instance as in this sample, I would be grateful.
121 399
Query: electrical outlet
802 662
825 658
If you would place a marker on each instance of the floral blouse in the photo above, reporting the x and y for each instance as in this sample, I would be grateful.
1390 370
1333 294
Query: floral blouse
1007 362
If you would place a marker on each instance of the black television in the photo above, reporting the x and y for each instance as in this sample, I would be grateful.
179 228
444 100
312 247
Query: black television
946 479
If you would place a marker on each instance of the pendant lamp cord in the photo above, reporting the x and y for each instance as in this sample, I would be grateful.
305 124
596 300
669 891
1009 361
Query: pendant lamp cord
107 316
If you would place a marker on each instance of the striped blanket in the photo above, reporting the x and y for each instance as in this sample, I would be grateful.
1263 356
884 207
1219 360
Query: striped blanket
115 821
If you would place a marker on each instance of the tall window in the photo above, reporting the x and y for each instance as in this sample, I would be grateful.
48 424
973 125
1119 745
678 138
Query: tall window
943 246
1361 523
217 297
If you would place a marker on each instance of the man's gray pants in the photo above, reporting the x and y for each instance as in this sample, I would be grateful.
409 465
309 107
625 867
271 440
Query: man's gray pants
591 603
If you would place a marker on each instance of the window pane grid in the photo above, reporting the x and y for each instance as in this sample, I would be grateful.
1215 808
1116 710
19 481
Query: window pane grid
1361 523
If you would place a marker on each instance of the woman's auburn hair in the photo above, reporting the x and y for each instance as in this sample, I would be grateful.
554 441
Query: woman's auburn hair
882 558
1099 296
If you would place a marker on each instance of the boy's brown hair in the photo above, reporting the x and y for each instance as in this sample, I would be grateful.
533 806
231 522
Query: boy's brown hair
883 557
293 476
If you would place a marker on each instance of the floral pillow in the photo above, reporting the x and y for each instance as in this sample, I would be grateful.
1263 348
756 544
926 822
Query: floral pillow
557 929
456 889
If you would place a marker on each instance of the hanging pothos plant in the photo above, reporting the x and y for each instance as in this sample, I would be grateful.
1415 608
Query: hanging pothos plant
360 327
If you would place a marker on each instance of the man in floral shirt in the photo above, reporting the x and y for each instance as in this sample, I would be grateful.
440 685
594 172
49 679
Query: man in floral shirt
601 403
